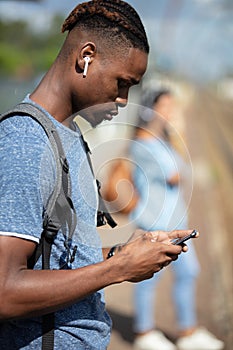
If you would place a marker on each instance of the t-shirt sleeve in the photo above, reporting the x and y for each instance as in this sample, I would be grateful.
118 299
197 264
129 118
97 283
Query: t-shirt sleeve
24 160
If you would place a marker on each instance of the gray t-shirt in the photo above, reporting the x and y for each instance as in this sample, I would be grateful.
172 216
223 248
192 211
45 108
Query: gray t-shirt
27 177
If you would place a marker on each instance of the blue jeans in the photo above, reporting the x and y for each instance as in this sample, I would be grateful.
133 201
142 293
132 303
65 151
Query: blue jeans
185 271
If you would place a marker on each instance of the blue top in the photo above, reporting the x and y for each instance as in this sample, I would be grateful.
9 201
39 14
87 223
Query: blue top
27 177
161 206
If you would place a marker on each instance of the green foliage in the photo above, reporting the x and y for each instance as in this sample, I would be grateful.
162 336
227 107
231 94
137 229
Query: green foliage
25 53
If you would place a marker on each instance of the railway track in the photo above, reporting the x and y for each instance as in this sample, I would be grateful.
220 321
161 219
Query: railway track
210 134
217 123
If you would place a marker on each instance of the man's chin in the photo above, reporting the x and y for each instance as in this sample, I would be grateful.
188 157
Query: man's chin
94 122
96 119
90 120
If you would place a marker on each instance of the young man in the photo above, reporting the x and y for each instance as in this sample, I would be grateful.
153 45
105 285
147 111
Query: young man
104 54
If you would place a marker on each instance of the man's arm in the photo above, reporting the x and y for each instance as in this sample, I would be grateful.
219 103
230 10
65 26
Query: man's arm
26 292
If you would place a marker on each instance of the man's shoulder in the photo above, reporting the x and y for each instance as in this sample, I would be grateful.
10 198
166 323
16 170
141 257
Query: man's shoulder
24 146
21 125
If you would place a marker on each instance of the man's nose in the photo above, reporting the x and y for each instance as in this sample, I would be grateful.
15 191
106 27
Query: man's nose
121 102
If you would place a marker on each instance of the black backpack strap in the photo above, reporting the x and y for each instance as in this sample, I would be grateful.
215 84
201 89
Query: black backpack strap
103 216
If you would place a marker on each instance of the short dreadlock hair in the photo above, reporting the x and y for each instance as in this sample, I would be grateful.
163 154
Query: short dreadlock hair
113 20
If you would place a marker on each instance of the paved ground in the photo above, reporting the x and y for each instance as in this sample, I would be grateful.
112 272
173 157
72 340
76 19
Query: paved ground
214 289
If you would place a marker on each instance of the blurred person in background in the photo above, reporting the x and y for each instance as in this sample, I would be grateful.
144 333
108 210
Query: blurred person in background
161 206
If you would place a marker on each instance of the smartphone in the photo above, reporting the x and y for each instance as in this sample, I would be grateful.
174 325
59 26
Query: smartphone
180 241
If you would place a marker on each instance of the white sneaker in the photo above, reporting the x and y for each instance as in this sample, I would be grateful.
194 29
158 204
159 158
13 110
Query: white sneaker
201 339
154 340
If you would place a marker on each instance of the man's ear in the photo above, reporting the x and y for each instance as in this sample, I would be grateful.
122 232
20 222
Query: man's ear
88 50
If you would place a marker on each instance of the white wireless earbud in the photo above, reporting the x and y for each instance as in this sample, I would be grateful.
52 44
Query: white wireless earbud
87 60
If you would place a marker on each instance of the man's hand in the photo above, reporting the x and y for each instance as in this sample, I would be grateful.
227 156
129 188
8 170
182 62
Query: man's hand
146 253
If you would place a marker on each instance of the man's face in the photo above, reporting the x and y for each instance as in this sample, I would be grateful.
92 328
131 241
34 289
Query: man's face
107 85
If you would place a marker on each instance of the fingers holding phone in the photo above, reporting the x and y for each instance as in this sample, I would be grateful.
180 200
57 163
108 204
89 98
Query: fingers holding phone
178 237
181 240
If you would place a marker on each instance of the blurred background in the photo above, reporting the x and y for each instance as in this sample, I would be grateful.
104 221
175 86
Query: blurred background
192 54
